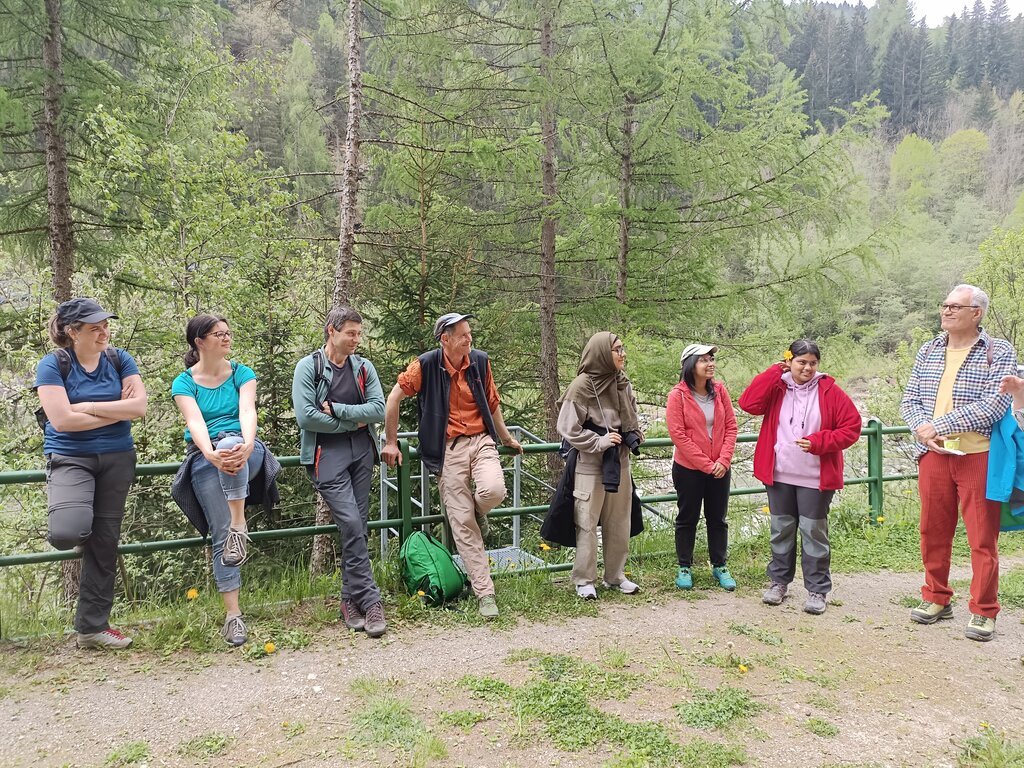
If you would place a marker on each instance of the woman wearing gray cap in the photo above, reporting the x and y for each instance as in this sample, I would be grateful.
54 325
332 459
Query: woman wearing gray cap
702 424
89 393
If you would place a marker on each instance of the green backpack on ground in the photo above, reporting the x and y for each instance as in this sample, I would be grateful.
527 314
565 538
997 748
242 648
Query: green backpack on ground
427 567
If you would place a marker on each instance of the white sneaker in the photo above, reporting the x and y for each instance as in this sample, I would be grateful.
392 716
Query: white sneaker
586 591
625 586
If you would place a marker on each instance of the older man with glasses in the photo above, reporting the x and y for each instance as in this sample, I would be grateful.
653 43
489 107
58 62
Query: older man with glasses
951 403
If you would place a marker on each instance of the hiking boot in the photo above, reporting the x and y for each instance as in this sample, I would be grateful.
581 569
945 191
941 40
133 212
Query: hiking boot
485 525
775 594
929 613
375 624
353 617
108 638
625 586
684 578
586 591
235 549
815 603
234 631
488 607
725 579
980 628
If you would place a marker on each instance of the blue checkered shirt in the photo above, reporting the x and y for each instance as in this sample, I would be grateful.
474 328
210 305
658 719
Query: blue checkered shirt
977 404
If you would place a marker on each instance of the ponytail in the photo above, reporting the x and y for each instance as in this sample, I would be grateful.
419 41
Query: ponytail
59 333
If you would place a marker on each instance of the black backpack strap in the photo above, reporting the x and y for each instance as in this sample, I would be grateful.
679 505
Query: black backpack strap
114 358
63 362
318 369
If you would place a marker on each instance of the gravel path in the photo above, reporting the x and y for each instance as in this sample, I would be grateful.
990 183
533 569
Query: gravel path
898 693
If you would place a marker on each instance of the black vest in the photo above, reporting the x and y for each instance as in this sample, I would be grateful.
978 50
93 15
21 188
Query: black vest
433 401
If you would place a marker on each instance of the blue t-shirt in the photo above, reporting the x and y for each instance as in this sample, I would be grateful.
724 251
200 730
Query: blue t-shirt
100 386
219 406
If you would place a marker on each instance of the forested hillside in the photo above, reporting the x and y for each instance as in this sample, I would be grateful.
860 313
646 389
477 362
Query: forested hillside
740 172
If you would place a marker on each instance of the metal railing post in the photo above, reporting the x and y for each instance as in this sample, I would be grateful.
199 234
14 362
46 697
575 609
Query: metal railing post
405 490
876 486
517 490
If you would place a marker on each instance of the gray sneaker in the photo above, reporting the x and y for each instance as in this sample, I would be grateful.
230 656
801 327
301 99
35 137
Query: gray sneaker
980 628
928 612
108 639
352 616
488 607
235 550
375 624
234 631
775 594
815 603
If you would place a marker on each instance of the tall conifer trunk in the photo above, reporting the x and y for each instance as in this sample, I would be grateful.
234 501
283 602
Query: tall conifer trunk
548 298
59 222
322 556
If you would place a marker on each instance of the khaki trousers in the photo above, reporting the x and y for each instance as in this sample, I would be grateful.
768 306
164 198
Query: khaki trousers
595 506
471 483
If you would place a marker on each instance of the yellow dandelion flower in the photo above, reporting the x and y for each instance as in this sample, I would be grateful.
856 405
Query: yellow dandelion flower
765 510
269 647
545 546
880 519
985 726
192 594
628 573
787 355
421 593
744 668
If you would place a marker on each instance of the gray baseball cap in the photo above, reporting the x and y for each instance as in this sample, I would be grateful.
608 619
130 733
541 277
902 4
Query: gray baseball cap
81 310
444 322
697 349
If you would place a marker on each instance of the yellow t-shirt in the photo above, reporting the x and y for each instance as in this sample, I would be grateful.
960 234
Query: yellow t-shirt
970 442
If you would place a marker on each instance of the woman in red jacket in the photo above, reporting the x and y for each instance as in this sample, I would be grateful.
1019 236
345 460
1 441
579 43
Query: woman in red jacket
702 424
808 423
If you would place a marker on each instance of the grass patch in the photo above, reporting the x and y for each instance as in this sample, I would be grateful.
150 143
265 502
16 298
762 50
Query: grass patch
1011 585
208 745
823 702
387 720
708 709
127 754
761 635
558 699
991 749
819 727
462 718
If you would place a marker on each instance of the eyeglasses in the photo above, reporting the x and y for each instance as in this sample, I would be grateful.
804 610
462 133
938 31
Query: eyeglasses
956 307
220 334
620 350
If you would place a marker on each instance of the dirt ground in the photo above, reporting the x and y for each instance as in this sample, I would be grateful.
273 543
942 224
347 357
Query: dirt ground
897 693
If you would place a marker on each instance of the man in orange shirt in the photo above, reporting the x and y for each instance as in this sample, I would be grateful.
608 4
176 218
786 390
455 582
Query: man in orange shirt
460 423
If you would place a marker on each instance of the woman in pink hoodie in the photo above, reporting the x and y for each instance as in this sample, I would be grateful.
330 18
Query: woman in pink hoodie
702 425
808 423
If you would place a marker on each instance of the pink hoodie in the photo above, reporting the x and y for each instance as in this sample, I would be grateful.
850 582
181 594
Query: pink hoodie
800 416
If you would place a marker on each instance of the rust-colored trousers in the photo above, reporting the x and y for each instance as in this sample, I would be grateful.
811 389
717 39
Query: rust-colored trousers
946 483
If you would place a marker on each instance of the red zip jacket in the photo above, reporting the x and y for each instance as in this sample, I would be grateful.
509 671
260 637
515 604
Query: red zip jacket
689 430
840 425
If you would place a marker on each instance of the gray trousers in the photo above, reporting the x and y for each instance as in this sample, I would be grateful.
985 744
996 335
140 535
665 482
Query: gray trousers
793 507
86 496
342 473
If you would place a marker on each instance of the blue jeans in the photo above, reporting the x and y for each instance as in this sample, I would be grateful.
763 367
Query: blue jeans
213 489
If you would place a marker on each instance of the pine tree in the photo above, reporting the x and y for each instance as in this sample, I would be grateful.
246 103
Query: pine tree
974 56
1000 48
858 57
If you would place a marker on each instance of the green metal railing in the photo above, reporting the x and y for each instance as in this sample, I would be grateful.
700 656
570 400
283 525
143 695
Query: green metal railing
875 480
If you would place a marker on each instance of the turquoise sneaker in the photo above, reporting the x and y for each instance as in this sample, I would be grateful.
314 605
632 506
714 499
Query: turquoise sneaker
684 579
725 579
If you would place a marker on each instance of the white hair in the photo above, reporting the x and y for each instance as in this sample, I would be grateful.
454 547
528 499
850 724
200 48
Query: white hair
978 296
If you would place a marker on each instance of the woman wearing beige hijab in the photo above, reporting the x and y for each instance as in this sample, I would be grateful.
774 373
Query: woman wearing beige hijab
598 417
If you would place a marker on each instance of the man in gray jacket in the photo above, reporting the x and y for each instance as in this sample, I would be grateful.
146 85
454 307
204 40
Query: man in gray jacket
338 398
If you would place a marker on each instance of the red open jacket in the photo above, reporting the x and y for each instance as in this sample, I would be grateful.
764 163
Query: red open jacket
689 430
840 425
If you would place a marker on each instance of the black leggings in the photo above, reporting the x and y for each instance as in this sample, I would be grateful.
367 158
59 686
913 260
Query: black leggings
695 488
